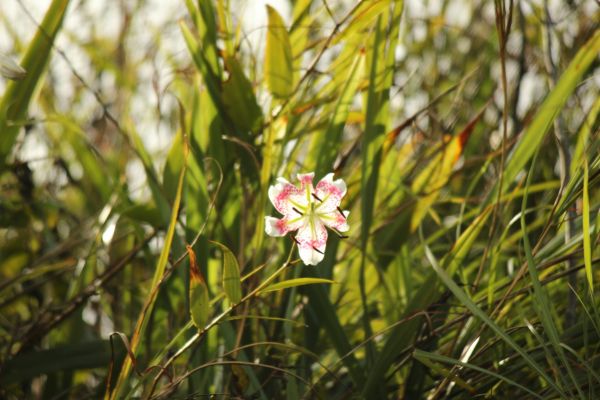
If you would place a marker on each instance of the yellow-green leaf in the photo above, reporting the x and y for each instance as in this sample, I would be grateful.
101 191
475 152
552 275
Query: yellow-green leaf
18 94
293 283
278 57
587 244
173 167
231 275
199 300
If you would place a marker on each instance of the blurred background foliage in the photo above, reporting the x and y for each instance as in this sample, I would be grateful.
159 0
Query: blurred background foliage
137 147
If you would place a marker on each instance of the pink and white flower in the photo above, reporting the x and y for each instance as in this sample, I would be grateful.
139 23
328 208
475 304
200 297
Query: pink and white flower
308 210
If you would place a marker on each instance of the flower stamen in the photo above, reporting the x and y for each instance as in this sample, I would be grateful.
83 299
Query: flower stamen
298 211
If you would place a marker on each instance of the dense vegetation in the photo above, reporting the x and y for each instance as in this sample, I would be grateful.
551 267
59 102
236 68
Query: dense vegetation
135 166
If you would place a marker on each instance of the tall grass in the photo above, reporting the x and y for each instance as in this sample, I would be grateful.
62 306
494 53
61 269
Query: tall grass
470 151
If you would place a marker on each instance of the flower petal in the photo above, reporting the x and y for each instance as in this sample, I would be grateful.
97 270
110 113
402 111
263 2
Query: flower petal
312 238
329 193
280 227
285 197
306 186
306 179
335 220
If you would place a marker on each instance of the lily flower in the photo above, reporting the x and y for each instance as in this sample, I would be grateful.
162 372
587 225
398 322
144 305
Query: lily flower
308 210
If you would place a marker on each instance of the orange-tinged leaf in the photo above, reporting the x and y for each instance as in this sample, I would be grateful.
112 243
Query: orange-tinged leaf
199 300
437 173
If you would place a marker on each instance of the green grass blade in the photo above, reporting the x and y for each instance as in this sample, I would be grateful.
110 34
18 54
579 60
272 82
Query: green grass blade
403 335
381 70
293 283
583 137
587 243
161 264
18 94
468 303
540 296
420 354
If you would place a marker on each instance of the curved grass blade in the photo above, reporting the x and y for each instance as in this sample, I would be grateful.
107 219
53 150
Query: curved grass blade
293 283
142 321
468 303
420 354
18 94
587 243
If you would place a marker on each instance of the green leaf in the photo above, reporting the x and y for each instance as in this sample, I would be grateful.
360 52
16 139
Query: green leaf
86 355
173 167
18 94
278 57
199 300
587 243
231 275
293 283
239 99
583 137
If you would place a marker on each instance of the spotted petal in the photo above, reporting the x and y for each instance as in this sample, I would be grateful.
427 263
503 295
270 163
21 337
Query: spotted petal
312 238
285 197
329 193
280 227
335 220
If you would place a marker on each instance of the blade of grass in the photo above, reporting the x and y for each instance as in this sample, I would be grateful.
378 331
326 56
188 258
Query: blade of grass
468 303
587 244
153 292
18 94
540 296
381 61
403 335
420 354
293 283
